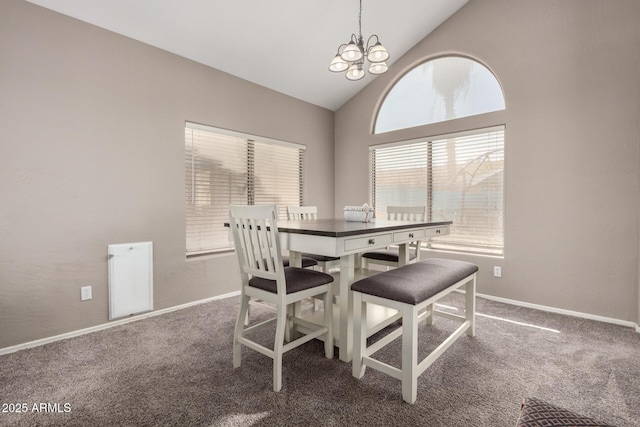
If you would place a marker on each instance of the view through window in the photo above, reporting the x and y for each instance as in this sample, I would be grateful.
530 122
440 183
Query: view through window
438 90
459 178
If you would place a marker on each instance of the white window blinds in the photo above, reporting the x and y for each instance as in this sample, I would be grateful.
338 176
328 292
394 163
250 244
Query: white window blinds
459 178
224 168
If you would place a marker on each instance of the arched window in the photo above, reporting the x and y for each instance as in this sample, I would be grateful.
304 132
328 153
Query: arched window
438 90
459 176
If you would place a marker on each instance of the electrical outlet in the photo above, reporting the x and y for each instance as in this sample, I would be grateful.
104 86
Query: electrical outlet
497 271
85 293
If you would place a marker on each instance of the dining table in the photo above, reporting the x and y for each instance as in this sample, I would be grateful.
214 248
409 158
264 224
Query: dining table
336 237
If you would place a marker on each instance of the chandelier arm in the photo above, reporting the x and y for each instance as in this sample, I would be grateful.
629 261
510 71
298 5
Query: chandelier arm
369 45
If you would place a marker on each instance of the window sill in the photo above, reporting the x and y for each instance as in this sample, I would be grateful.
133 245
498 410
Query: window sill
466 253
210 255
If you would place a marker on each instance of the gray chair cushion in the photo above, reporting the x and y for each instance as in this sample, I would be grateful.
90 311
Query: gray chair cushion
415 282
298 279
320 258
391 255
306 261
536 413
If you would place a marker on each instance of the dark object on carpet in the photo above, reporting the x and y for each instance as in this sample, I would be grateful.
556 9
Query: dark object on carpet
537 413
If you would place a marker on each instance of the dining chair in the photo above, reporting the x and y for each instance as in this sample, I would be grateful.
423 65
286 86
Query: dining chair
390 257
325 263
303 213
264 277
306 261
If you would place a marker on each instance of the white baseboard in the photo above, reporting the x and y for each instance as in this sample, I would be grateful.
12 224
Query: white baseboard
119 322
626 323
103 326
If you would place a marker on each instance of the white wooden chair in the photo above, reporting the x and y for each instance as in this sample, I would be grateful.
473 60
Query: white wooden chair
325 263
390 257
257 243
303 213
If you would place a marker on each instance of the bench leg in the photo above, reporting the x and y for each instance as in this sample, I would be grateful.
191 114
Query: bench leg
359 334
431 316
470 306
409 353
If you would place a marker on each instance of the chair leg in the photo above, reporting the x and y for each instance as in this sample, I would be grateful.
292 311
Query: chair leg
409 354
281 325
359 334
328 321
470 306
243 316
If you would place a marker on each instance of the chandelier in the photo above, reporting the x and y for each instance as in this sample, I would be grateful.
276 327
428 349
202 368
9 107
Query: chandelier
351 56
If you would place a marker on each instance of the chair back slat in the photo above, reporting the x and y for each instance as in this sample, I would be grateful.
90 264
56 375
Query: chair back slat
408 213
257 243
302 213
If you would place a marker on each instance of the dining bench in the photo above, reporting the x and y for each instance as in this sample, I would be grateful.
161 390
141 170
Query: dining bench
413 290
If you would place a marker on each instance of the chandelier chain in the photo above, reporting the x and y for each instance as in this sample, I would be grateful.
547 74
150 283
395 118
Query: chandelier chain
360 21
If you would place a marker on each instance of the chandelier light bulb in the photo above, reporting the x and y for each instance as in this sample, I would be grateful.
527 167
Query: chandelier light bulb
338 64
351 52
378 53
378 68
355 72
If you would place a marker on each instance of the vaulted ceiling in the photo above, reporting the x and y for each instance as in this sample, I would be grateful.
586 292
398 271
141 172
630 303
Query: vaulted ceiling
285 45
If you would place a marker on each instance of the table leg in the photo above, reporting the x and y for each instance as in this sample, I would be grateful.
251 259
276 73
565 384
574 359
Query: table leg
295 259
358 261
345 306
403 254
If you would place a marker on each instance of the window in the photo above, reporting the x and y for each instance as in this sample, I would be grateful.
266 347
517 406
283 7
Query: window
224 168
459 177
440 89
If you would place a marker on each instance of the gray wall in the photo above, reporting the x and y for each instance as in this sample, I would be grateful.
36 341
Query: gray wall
91 153
570 71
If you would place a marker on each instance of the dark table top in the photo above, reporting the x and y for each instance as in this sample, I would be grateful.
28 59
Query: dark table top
338 227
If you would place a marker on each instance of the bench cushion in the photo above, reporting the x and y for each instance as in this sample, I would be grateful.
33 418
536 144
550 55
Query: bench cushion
415 283
536 413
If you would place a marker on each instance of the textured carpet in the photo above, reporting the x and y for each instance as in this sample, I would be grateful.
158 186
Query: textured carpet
176 369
